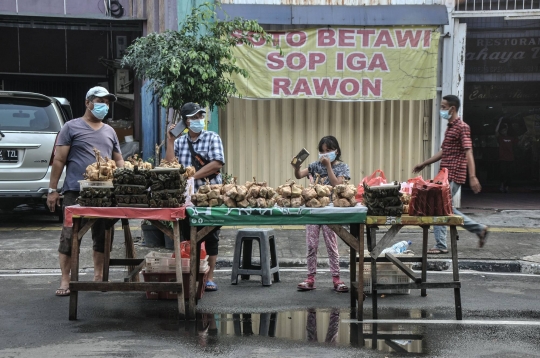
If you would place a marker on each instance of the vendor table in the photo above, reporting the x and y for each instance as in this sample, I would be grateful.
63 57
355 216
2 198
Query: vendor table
74 216
335 218
209 219
396 224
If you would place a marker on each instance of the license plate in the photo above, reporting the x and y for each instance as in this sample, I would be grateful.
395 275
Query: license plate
9 155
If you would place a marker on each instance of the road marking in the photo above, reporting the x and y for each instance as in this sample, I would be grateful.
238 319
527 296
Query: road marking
446 321
34 274
472 272
278 227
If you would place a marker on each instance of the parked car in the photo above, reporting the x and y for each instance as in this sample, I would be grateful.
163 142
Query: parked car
29 126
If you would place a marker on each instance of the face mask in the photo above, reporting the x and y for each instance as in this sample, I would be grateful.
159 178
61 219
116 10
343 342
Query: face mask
330 155
196 125
100 110
444 114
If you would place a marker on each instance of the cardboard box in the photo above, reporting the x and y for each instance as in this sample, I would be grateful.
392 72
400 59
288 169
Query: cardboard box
122 133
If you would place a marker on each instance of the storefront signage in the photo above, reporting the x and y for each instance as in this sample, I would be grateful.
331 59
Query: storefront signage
503 55
511 92
342 64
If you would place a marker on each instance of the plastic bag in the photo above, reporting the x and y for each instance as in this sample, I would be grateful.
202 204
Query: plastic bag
185 250
431 198
377 178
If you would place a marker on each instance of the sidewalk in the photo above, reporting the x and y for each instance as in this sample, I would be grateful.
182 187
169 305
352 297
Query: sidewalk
513 243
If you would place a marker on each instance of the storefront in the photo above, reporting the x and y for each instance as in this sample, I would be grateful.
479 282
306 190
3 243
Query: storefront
502 70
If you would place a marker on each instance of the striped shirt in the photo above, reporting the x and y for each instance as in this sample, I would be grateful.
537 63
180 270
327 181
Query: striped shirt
208 145
457 139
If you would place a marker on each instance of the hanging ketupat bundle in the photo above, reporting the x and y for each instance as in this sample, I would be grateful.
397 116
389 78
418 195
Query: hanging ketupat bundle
317 195
136 161
344 195
208 195
101 170
290 195
259 195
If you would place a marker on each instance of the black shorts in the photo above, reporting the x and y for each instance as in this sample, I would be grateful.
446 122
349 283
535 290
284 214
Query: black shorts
211 240
98 229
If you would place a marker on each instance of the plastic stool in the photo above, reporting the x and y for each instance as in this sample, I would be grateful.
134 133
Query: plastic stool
267 248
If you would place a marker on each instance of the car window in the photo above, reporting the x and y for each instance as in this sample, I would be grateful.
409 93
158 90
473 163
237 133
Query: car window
18 114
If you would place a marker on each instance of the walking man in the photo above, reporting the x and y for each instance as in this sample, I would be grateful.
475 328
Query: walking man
75 151
457 156
203 150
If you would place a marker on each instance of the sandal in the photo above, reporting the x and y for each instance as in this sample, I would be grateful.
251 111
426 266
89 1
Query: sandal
436 251
63 292
340 287
306 285
210 286
482 238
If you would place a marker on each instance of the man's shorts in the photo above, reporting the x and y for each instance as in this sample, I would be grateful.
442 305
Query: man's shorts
98 229
211 241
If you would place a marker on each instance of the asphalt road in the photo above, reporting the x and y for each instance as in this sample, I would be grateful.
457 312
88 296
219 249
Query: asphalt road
501 313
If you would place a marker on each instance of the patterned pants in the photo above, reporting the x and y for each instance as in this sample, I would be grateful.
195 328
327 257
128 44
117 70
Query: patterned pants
312 242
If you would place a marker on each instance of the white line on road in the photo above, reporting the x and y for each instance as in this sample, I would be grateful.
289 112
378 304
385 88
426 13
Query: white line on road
34 274
446 321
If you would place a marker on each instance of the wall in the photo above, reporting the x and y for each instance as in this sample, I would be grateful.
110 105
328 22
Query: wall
261 136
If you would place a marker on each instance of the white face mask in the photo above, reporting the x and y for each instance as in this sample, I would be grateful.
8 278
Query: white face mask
331 155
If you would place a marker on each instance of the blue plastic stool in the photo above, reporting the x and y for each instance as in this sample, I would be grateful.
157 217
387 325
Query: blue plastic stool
267 248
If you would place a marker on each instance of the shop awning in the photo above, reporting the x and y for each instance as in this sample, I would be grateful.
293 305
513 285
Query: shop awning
376 15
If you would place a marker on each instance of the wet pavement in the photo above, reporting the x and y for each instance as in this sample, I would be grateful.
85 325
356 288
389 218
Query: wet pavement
249 320
501 311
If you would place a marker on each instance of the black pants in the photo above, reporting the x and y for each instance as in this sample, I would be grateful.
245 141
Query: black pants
211 240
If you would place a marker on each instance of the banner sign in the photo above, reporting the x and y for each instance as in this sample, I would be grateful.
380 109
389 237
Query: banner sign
396 63
223 216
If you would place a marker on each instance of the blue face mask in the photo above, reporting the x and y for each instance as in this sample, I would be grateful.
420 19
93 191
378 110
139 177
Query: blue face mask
196 125
100 110
331 156
444 114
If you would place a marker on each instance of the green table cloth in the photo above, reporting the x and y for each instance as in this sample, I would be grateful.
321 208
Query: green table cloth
224 216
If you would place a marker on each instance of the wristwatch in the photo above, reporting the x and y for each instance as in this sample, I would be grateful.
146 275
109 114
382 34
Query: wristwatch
51 190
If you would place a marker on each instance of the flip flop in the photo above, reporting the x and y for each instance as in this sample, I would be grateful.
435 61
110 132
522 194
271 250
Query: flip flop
482 237
306 286
210 286
436 251
63 292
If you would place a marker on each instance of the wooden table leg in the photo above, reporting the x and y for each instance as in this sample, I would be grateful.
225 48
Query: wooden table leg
455 269
192 272
107 253
179 277
130 247
352 267
74 295
425 237
360 266
372 235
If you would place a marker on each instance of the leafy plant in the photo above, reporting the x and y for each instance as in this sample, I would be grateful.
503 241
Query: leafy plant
193 64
